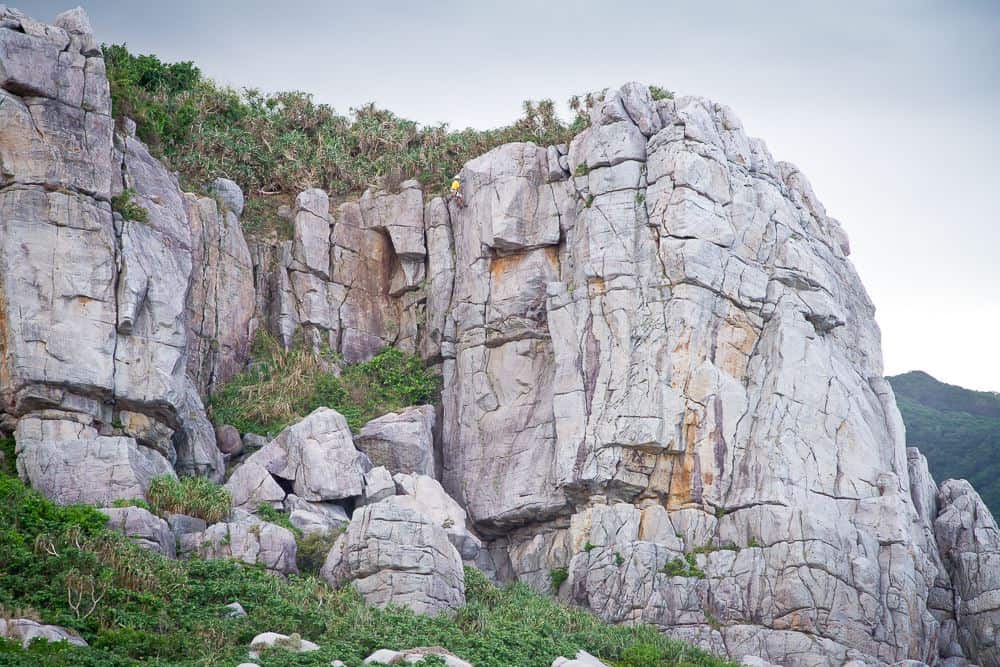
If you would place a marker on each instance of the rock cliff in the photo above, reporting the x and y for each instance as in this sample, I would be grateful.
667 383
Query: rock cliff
662 374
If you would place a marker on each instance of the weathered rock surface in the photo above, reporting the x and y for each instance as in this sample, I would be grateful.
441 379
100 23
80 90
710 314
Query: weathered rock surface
970 546
403 442
103 318
425 495
25 631
393 554
582 659
316 456
144 528
244 537
292 643
386 656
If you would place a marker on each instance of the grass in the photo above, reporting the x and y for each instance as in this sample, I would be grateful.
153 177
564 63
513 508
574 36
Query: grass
194 496
7 456
283 386
684 567
56 561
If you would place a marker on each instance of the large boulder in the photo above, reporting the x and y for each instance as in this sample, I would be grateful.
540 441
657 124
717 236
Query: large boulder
316 456
401 441
63 456
25 631
395 555
246 538
144 528
425 495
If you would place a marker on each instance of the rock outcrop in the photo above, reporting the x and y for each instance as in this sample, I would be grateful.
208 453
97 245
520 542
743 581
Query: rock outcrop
395 555
144 528
109 326
661 374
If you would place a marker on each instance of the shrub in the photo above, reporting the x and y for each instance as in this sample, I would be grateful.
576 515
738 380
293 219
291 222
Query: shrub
194 496
659 93
283 386
558 577
130 210
7 456
312 550
684 567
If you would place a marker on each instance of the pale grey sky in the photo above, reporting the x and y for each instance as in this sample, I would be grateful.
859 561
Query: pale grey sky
890 108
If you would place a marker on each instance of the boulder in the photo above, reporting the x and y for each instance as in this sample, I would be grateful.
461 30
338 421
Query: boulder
244 537
274 640
395 555
235 610
25 631
582 659
414 655
144 528
401 441
425 495
379 485
317 456
251 485
228 439
315 517
182 524
68 461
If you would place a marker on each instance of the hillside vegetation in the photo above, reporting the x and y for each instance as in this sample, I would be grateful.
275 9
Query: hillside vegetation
957 429
61 566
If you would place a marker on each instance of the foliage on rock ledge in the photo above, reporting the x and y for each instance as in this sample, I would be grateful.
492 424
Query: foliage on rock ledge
285 142
283 386
156 611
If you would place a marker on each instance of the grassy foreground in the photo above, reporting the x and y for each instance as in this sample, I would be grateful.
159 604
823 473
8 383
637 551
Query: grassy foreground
60 566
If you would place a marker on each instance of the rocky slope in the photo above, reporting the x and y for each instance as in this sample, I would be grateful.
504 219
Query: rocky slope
662 375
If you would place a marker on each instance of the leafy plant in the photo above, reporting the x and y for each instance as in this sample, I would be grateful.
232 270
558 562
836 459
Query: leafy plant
194 496
268 513
660 93
129 209
7 456
684 567
558 577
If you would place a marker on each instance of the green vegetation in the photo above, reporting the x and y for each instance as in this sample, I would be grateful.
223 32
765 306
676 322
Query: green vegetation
558 577
130 210
132 502
282 386
684 567
277 144
658 93
266 512
7 456
311 548
957 429
60 565
194 496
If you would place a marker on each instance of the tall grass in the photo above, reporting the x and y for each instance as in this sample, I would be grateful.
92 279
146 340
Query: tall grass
194 496
283 386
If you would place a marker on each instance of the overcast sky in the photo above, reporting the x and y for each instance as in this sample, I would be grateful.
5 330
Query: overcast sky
890 108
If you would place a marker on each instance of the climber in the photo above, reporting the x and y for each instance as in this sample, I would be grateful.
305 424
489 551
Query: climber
456 191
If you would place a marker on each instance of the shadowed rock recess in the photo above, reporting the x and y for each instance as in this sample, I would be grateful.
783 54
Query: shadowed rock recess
661 375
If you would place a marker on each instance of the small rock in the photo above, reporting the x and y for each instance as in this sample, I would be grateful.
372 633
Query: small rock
229 194
182 524
582 659
252 442
388 657
26 631
236 610
293 643
228 439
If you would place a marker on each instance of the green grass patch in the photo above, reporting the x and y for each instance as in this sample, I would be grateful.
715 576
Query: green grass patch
154 611
129 209
194 496
283 386
684 567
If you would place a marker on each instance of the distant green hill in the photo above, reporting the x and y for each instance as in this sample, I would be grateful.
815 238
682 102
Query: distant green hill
957 429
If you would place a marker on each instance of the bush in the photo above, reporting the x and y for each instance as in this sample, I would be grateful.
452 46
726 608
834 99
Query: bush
312 550
122 203
194 496
7 456
283 386
557 577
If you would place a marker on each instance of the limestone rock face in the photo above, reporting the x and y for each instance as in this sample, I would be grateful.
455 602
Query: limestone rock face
221 300
393 554
970 546
403 442
663 347
115 324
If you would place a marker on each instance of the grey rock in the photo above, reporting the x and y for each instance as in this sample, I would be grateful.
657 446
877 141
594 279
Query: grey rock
317 455
144 528
310 517
379 485
228 439
236 610
246 538
229 194
582 659
395 555
425 495
401 441
69 462
26 631
414 655
292 643
969 541
182 524
251 485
